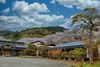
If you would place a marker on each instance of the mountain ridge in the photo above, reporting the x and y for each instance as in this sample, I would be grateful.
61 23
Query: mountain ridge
38 32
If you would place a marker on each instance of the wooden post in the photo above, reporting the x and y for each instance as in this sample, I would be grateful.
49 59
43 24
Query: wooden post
37 52
87 53
2 52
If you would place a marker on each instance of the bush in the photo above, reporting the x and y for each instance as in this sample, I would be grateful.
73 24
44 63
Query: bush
77 53
56 53
28 52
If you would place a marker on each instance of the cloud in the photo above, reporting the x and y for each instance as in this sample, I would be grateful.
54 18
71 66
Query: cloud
25 8
29 15
11 22
7 10
48 18
79 4
23 22
53 1
69 25
2 1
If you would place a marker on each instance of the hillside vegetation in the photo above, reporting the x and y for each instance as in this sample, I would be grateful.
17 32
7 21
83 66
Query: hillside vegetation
31 33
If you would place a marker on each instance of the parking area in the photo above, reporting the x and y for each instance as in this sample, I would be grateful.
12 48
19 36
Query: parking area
31 62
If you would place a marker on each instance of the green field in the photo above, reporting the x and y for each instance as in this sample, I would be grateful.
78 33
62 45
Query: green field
87 64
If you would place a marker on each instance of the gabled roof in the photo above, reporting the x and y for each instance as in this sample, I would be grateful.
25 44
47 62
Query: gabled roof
39 42
13 44
11 41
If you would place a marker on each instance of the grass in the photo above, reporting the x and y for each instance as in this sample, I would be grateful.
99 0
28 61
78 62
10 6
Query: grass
87 64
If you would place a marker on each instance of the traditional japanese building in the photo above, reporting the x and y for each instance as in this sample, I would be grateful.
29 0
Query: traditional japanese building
8 48
66 47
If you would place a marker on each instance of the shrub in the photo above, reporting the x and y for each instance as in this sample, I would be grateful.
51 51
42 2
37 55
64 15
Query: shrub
56 53
77 53
28 52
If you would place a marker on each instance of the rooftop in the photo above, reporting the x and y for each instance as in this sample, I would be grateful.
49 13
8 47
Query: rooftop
70 44
13 44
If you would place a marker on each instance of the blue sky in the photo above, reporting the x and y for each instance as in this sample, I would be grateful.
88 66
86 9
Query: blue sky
23 14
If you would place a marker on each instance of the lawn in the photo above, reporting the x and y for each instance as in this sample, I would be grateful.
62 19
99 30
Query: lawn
86 64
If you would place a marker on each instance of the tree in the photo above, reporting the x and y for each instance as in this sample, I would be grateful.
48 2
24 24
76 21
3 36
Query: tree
89 20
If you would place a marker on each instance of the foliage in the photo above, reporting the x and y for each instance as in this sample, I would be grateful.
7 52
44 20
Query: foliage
12 35
28 52
40 32
95 43
30 45
55 53
88 20
78 53
86 64
95 46
4 32
31 33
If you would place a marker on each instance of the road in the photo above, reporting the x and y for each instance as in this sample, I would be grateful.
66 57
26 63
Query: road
31 62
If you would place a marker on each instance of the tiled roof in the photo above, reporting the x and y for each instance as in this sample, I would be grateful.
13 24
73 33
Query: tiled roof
13 44
70 44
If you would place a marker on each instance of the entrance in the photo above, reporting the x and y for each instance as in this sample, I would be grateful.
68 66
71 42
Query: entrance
6 50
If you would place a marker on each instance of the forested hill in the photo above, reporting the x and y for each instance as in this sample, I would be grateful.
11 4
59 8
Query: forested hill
40 32
33 32
4 32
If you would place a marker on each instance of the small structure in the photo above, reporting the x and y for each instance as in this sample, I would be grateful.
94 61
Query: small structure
38 46
38 43
8 48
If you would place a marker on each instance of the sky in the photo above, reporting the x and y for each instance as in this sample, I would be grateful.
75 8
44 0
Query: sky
18 15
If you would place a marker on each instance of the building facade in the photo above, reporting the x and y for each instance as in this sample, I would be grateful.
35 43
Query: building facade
8 48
